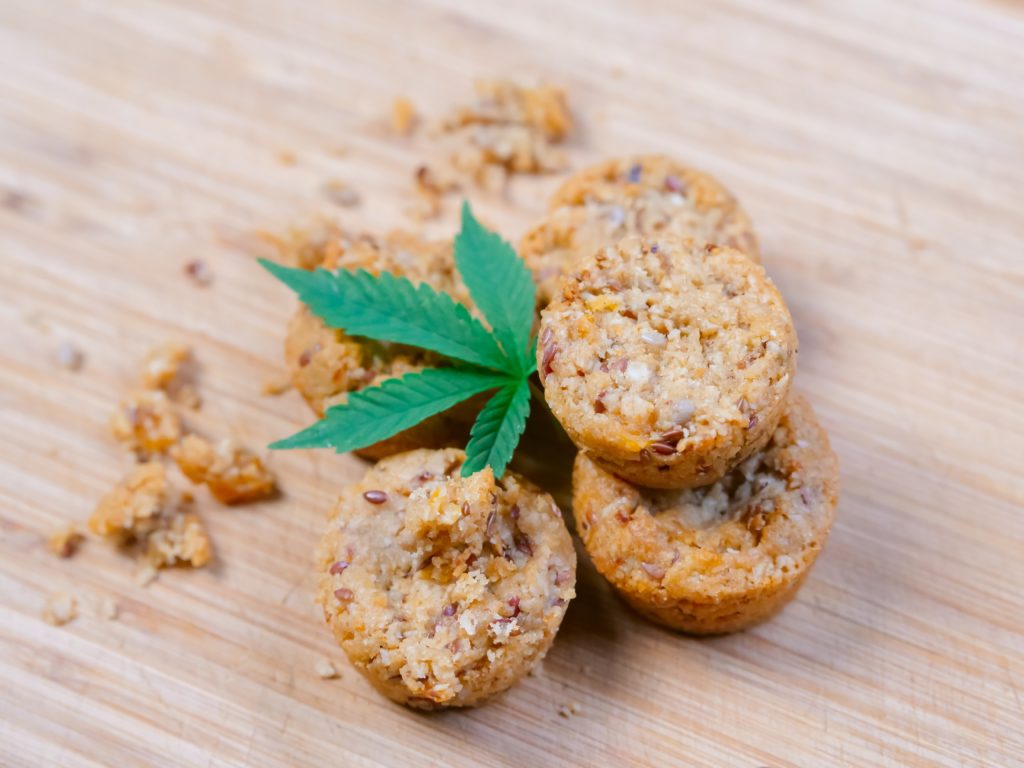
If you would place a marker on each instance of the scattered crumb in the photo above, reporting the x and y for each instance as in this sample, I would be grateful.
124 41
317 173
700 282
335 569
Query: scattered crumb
232 473
199 272
146 423
144 510
506 130
64 542
340 193
187 397
403 117
107 608
570 709
145 574
307 246
60 609
325 669
276 383
69 356
286 157
162 365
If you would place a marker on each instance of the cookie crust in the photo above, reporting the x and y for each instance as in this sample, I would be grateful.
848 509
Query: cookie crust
723 557
444 591
667 362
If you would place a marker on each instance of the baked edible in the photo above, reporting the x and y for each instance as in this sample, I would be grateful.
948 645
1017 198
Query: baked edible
326 364
723 557
651 196
444 590
667 361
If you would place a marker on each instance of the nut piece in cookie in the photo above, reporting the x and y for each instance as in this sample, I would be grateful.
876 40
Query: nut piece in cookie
651 196
326 364
444 590
722 557
233 474
146 511
667 361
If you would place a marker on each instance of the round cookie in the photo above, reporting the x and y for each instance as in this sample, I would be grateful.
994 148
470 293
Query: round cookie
651 196
444 590
667 361
722 557
326 364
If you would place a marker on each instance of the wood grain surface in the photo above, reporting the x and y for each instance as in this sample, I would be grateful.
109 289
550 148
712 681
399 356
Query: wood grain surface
879 147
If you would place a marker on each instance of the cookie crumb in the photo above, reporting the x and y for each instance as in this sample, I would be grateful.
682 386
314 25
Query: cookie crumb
64 541
309 244
233 474
341 193
69 357
145 574
60 609
570 709
188 397
199 272
403 116
146 423
162 364
146 512
325 669
286 157
107 608
276 383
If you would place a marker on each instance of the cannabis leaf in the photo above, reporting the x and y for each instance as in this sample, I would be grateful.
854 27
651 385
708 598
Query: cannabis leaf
501 286
496 430
376 413
386 307
390 308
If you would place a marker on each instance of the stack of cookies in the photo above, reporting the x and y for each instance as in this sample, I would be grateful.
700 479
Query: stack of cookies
703 490
704 487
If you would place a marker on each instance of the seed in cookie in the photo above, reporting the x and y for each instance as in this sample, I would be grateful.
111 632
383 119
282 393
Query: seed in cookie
449 589
651 196
725 556
667 361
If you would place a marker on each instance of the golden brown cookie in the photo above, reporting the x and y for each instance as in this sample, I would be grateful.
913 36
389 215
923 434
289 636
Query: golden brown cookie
444 590
722 557
652 196
326 364
667 361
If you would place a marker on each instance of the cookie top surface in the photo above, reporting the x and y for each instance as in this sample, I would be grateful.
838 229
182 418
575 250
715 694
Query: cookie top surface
650 196
665 346
763 522
445 589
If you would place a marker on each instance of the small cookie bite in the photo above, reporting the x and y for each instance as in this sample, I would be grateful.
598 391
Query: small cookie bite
326 363
667 361
444 590
651 196
723 557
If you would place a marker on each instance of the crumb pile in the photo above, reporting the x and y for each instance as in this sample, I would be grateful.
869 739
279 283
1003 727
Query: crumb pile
146 514
507 129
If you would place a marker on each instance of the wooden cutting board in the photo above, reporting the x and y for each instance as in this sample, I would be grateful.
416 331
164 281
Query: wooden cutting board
879 147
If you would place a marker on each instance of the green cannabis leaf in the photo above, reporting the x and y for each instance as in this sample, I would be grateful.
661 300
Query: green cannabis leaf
496 430
386 307
390 308
376 413
501 286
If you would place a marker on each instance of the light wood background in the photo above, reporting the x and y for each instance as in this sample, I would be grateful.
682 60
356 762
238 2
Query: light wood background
879 147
